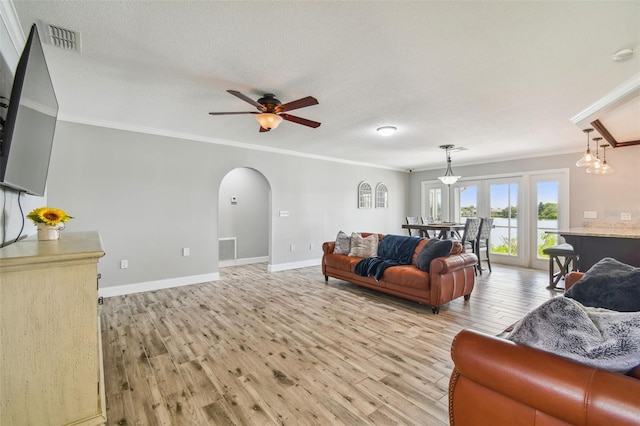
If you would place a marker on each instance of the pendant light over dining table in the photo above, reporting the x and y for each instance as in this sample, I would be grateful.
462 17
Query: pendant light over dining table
449 178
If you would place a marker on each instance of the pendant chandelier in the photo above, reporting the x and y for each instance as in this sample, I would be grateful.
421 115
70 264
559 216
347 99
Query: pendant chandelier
449 178
588 159
602 167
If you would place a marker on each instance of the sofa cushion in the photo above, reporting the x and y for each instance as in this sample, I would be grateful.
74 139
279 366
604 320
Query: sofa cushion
433 249
363 246
418 249
609 284
341 262
407 276
343 243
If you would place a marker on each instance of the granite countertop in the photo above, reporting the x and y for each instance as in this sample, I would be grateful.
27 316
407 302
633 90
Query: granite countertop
602 232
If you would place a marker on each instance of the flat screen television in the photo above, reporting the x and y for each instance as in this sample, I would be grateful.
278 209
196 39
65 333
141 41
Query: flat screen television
27 136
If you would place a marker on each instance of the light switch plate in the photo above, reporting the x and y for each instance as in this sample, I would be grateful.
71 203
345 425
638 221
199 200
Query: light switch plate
590 214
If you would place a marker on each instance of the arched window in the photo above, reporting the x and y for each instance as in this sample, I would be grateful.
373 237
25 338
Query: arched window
365 196
382 196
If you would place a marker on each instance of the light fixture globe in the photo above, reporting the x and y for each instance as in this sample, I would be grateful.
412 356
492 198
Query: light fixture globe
449 178
602 168
269 120
588 159
386 130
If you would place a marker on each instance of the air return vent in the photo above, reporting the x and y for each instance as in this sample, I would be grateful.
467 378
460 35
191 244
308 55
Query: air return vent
227 249
60 37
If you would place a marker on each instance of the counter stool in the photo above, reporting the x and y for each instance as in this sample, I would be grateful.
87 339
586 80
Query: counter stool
570 260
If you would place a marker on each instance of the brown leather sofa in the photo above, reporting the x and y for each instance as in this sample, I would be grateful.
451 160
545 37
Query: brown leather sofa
499 382
450 277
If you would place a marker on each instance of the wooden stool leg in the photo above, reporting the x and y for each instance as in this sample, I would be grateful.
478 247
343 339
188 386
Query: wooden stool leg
551 284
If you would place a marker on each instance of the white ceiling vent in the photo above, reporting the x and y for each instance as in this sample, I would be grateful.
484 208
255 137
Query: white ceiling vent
60 37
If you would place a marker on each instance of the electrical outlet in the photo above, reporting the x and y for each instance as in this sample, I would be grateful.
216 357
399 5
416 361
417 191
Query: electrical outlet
124 264
590 214
284 213
292 247
186 251
311 246
625 216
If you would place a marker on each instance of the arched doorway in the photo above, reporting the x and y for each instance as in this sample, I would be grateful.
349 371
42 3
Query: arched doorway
244 218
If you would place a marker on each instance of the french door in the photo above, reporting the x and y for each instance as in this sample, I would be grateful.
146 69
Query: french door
526 209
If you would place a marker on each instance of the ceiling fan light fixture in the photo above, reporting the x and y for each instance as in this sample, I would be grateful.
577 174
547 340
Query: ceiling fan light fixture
386 130
269 120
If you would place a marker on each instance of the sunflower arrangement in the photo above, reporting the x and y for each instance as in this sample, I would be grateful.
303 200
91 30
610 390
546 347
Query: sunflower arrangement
49 216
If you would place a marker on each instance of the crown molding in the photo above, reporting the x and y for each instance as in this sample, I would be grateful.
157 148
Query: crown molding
12 24
179 135
612 100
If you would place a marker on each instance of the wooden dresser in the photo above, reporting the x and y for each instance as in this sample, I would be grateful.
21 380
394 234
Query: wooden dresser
50 346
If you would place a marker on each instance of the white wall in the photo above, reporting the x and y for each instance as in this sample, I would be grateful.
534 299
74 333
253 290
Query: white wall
149 196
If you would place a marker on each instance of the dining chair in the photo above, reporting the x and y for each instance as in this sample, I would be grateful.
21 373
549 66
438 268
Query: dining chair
483 242
413 220
425 221
470 233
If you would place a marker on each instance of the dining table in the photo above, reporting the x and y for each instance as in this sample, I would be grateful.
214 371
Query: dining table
443 230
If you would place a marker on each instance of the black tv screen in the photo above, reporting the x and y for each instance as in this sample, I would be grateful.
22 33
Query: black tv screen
28 132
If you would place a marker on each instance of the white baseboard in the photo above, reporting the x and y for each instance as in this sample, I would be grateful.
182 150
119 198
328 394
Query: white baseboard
157 285
246 261
294 265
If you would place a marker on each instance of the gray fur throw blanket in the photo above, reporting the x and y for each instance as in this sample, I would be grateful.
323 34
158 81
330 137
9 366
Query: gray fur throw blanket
596 337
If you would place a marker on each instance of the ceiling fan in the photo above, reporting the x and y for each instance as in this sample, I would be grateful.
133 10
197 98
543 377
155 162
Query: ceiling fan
271 111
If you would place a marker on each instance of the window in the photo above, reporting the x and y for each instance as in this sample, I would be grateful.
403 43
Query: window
382 196
364 195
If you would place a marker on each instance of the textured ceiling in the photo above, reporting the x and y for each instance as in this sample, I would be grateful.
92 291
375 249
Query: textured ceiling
501 79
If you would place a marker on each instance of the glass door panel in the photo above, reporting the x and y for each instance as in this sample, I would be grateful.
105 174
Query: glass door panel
466 202
503 204
550 212
547 217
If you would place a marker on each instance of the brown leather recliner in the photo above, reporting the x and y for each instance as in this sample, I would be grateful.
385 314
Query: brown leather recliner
499 382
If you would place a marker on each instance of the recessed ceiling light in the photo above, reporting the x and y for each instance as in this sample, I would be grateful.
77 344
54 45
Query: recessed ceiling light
622 54
386 130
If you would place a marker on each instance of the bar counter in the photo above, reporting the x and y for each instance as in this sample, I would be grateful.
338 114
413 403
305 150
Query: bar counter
593 244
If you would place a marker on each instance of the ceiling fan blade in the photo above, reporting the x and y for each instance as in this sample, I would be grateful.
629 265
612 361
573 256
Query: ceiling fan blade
262 129
229 113
300 103
247 99
300 120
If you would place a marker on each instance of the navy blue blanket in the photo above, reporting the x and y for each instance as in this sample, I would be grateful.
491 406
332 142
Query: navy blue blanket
393 250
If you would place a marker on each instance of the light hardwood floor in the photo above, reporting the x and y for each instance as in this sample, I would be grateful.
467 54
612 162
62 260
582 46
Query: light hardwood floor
284 348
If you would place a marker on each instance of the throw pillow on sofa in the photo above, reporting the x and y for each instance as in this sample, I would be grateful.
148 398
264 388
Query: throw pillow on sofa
433 249
609 284
343 244
363 247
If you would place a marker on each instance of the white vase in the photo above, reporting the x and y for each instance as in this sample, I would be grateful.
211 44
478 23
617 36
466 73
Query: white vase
49 232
